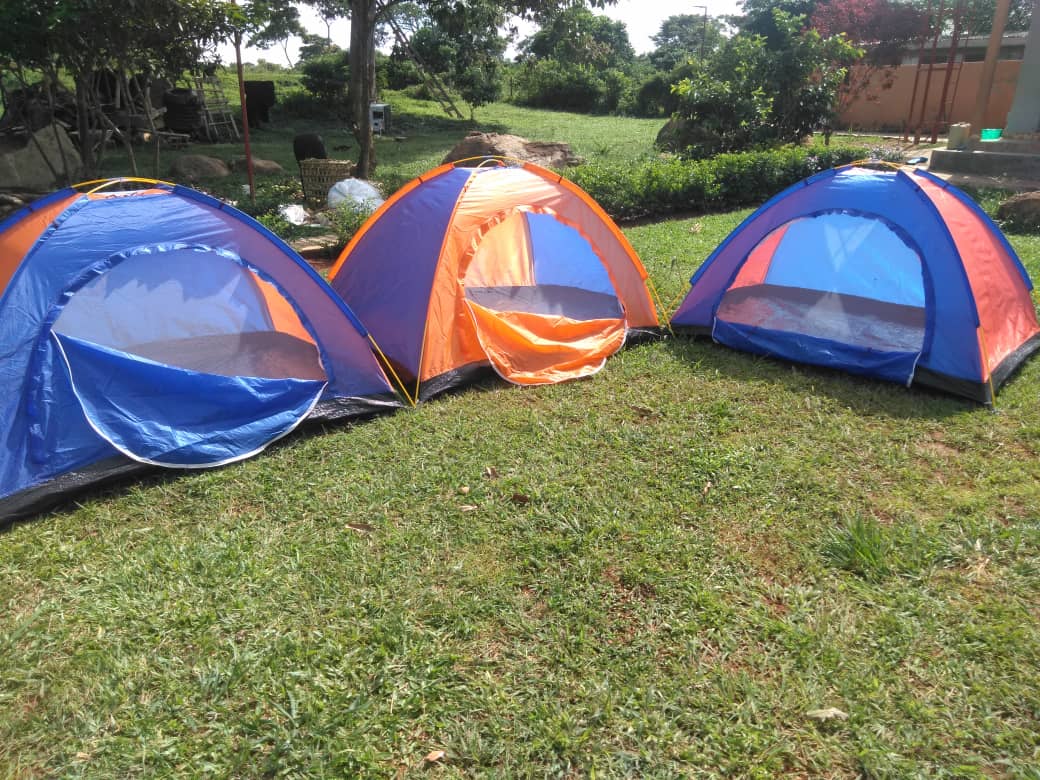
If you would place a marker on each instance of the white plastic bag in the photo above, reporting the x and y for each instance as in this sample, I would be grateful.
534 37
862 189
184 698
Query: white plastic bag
358 191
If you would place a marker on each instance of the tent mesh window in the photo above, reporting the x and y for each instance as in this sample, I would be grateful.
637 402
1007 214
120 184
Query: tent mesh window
835 278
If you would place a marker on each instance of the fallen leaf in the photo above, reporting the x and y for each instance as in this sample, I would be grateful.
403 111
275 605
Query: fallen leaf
707 487
490 472
434 756
520 498
643 411
361 528
827 713
469 508
697 227
464 489
83 756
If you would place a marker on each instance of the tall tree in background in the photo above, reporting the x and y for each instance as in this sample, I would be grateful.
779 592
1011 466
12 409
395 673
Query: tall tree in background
882 28
365 16
461 45
576 36
684 36
759 18
271 23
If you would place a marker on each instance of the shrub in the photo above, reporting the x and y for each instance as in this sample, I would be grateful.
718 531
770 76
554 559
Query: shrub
302 105
668 185
551 84
347 219
327 76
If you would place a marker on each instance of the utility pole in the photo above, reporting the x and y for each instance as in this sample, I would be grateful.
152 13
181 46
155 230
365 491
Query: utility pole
704 29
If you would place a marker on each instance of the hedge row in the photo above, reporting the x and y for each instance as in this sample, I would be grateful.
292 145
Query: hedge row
665 186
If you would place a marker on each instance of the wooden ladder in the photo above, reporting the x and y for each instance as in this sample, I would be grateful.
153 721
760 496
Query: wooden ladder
216 112
433 84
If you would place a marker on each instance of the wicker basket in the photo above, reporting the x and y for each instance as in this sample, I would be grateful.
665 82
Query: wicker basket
318 176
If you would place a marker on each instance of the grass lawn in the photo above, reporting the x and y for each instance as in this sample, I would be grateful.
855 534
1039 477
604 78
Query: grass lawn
657 572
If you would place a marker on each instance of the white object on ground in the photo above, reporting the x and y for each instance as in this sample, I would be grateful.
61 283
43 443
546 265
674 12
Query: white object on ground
357 191
294 214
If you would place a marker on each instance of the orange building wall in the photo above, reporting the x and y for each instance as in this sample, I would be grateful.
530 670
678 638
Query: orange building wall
892 107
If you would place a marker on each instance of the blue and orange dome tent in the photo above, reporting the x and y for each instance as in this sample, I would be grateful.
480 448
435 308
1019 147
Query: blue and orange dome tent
876 272
144 323
504 265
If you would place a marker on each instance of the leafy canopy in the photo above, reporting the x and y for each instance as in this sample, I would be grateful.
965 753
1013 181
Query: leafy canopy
753 94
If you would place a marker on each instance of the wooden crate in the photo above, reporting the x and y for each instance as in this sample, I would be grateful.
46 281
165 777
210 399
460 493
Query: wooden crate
318 176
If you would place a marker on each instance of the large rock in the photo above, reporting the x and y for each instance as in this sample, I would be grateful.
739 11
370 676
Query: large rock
24 167
1022 210
260 167
196 167
549 154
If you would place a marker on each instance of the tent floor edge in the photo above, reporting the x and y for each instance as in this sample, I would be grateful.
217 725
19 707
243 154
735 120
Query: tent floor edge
1010 364
456 379
55 493
971 389
333 409
692 331
636 336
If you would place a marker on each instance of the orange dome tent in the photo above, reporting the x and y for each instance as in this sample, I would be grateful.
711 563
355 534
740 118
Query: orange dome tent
510 266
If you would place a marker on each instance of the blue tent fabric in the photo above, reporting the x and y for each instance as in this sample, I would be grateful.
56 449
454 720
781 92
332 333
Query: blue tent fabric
851 234
166 277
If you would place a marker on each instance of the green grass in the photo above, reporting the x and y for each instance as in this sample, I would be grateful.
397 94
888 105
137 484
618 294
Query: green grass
657 572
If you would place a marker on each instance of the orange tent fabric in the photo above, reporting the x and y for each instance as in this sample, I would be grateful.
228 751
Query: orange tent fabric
510 266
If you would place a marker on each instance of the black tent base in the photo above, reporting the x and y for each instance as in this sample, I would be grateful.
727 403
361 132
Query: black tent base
980 392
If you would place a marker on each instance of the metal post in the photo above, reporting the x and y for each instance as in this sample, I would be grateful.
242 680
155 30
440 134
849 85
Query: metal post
704 29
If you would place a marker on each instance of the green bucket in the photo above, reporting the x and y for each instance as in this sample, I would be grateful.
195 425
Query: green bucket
991 134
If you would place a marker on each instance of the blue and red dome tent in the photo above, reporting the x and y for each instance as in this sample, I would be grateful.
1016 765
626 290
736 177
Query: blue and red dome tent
876 272
159 326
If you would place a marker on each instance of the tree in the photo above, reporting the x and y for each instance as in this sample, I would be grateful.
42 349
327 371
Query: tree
365 16
684 36
576 36
272 23
82 37
759 18
752 94
463 47
978 17
883 28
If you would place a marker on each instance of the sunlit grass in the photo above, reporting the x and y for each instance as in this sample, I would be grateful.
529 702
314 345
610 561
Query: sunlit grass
657 572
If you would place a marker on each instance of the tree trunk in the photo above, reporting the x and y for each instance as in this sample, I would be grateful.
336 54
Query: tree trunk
362 81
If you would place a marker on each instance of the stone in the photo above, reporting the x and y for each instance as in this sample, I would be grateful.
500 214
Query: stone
24 166
1022 210
195 167
548 154
260 167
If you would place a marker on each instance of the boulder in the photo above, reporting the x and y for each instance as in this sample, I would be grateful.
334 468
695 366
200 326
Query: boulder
1022 210
24 165
548 154
195 167
260 167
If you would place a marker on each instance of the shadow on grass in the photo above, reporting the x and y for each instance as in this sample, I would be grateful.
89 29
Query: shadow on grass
863 395
143 475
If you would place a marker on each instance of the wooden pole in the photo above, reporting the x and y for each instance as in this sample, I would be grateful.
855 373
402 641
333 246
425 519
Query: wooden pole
245 116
